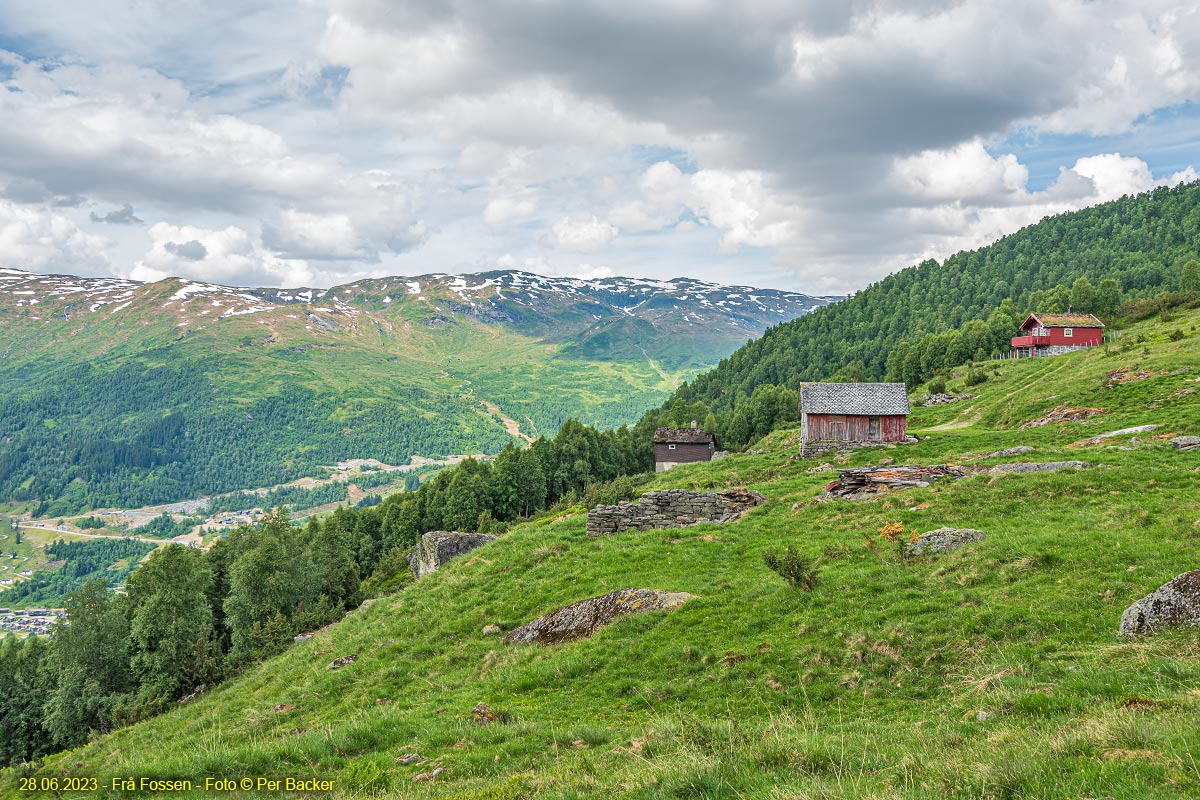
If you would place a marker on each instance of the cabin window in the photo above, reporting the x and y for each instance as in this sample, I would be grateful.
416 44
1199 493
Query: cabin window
670 447
1068 332
873 428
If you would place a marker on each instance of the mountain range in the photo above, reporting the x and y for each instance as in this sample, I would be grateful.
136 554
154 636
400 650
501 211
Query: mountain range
117 391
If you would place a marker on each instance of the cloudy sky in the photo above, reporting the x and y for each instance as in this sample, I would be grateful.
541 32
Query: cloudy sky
813 144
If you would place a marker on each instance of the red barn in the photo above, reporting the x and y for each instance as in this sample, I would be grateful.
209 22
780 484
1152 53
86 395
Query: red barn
674 446
1055 334
856 413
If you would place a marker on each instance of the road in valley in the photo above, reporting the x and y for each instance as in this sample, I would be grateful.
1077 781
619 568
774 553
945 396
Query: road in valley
93 535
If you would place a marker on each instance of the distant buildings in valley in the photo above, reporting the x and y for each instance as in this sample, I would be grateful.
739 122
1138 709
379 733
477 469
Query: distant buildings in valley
30 621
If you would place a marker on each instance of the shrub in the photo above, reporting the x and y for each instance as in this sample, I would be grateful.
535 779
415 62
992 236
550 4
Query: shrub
975 377
937 386
894 536
793 566
609 493
1176 335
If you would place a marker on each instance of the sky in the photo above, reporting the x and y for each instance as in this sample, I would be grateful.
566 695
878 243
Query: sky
812 145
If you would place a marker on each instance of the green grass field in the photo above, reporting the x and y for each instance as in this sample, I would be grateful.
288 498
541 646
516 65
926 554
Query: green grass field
991 672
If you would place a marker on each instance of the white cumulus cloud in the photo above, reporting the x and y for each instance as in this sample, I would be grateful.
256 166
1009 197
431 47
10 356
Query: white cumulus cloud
584 235
229 256
38 240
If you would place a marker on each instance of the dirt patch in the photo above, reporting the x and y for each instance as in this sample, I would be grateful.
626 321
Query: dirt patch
1126 375
511 425
1064 414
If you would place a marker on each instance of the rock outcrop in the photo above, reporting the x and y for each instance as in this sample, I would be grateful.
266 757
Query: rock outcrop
1010 451
1186 442
1044 466
1175 603
942 540
942 399
437 547
582 619
673 508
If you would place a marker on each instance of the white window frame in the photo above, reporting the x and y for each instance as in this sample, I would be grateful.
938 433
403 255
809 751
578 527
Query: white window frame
670 447
1068 333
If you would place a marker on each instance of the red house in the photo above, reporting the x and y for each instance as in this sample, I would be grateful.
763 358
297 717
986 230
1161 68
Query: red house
836 414
1055 334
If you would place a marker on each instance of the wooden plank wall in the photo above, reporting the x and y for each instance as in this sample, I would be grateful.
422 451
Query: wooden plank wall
853 428
682 454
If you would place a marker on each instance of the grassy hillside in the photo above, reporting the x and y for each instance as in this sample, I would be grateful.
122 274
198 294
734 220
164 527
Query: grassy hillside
991 672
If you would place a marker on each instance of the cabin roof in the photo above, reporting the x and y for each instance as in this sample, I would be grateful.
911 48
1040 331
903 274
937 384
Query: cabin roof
882 399
1063 320
683 436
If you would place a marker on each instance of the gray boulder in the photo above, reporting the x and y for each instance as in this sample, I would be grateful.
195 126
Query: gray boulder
942 540
1011 451
437 547
1186 442
1175 603
582 619
1044 466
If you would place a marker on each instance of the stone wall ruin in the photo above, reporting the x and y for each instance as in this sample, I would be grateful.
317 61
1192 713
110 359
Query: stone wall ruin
673 508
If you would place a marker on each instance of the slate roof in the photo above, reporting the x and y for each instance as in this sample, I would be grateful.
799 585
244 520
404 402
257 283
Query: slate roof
872 399
1065 320
683 436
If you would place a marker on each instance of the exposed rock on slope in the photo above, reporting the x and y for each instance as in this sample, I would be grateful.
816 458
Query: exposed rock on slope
1064 414
582 619
1186 442
1010 451
1044 466
1175 603
437 547
942 540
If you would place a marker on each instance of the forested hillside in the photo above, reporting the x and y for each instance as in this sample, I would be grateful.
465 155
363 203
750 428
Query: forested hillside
1134 247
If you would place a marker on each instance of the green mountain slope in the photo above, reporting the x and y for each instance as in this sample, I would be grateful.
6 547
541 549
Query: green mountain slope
1138 242
115 392
991 672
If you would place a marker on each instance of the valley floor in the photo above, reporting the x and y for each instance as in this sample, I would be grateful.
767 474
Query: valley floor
991 672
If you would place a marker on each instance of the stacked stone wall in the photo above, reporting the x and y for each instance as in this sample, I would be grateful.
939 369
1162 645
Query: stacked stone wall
815 449
673 508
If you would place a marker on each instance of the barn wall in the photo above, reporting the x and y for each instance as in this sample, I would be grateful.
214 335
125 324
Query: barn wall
854 428
1082 337
682 454
894 428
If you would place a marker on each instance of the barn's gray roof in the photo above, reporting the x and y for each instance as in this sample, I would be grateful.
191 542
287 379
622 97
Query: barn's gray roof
883 399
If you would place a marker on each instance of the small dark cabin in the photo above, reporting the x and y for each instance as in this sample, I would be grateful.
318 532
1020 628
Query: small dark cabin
853 412
673 446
